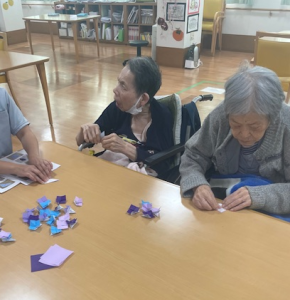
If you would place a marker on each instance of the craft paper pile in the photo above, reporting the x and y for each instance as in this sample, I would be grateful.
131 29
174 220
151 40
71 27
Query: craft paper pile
148 211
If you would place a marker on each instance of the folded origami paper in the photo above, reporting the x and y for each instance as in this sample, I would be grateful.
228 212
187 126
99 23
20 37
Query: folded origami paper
71 223
43 202
36 265
54 230
133 210
61 199
61 224
78 201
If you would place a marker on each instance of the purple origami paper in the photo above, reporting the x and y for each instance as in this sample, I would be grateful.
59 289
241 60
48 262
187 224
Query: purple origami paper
55 256
61 199
26 214
64 217
69 210
4 234
133 210
78 201
36 265
61 224
71 223
149 211
43 202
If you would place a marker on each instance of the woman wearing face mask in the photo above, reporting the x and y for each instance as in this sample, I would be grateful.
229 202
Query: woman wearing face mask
135 125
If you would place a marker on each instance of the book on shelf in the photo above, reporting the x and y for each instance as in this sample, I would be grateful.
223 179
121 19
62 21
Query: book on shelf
132 14
146 15
118 33
146 36
133 33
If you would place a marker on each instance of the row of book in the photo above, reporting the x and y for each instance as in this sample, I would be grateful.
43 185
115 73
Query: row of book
117 34
133 16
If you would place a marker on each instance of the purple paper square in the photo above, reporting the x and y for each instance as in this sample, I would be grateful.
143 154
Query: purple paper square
36 265
133 210
61 199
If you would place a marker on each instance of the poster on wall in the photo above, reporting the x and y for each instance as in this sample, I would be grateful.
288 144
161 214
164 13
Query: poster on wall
193 7
175 12
192 23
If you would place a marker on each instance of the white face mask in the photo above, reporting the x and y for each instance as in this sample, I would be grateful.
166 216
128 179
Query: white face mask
134 110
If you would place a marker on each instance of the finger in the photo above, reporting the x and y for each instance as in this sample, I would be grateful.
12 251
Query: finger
206 205
40 176
239 206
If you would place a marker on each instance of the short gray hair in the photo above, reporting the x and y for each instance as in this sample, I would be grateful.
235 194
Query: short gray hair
254 89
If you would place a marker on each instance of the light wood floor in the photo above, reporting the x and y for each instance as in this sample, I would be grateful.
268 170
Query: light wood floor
79 92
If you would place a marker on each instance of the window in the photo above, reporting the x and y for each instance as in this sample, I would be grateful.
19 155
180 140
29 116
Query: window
285 2
242 2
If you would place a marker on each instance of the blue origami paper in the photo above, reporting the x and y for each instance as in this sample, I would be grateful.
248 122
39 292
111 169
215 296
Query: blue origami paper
34 224
26 214
133 210
61 199
71 223
54 230
43 217
55 213
43 202
51 220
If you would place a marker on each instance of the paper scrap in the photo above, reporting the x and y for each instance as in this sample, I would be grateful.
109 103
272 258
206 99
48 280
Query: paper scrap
133 210
220 208
36 265
43 202
54 230
61 199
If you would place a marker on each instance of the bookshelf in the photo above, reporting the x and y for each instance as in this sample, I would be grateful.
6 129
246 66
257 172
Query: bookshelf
119 23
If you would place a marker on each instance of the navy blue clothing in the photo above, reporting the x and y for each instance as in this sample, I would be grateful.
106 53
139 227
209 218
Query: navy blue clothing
159 134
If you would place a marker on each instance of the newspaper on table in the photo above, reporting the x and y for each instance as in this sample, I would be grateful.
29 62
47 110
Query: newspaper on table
8 182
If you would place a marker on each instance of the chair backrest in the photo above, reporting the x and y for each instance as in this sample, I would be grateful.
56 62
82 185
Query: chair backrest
3 41
211 7
272 51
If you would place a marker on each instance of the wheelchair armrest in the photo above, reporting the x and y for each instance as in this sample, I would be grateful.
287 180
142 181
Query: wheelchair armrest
85 145
163 155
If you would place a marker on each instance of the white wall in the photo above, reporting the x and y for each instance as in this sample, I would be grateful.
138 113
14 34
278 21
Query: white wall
247 22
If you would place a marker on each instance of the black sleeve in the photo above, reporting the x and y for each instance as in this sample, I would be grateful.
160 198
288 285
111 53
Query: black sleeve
110 119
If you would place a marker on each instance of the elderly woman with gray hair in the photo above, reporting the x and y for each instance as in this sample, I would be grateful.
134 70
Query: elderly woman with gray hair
248 133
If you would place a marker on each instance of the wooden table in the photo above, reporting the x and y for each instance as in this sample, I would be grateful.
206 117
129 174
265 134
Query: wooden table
73 19
11 61
186 254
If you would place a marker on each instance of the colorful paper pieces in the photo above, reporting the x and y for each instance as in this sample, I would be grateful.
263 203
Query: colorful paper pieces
69 210
133 210
43 202
61 199
61 224
36 265
78 201
148 211
6 236
55 256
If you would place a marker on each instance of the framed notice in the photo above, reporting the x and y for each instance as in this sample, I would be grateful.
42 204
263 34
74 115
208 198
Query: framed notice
193 7
175 12
192 23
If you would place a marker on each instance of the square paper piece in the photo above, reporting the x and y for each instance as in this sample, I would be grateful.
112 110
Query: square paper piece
36 265
55 256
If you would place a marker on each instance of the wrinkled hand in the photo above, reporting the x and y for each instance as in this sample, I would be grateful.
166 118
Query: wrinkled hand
238 200
91 133
43 165
204 198
32 172
114 143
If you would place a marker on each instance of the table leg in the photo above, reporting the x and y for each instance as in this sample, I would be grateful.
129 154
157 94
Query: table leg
27 22
42 76
96 24
51 34
75 33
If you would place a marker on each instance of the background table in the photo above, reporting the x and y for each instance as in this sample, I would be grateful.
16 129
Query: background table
11 61
186 254
73 19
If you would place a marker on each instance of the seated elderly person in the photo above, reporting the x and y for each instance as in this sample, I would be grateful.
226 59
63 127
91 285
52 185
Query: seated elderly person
249 134
135 125
12 122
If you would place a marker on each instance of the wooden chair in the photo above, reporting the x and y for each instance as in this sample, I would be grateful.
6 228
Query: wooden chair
213 15
4 76
272 51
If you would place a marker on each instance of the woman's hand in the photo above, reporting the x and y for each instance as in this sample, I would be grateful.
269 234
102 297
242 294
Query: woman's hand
204 198
91 133
43 165
238 200
114 143
30 171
